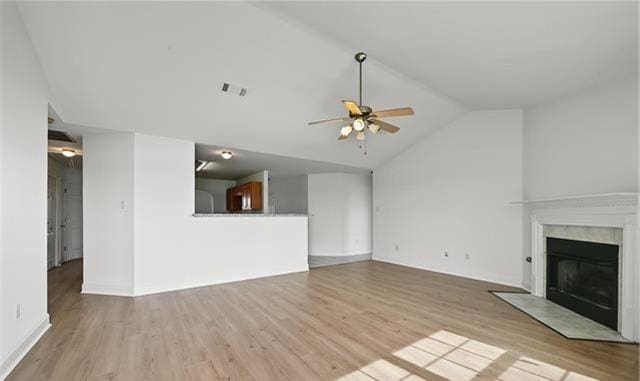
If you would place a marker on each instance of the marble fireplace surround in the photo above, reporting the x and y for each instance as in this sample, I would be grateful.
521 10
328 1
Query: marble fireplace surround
582 218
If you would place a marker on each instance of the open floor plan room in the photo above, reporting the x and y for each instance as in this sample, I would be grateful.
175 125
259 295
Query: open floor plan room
319 190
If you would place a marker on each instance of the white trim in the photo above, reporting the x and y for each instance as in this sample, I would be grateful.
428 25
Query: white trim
107 289
140 291
610 210
17 354
586 198
346 254
504 283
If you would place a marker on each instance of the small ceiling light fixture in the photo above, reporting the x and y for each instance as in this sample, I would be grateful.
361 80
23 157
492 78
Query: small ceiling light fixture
66 152
226 155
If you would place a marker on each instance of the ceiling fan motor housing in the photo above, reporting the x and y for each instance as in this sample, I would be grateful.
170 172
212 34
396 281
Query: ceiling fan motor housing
364 110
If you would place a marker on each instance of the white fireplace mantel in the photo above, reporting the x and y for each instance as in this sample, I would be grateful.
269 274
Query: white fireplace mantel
617 210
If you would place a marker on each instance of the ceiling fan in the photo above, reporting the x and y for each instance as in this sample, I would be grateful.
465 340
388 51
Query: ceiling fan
362 117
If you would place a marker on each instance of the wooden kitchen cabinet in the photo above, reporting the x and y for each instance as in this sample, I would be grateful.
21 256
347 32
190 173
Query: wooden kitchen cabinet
245 197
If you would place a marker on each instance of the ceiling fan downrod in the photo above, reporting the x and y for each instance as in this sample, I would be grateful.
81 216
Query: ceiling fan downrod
360 57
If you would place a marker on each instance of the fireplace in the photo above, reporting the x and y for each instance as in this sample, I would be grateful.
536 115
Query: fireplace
583 277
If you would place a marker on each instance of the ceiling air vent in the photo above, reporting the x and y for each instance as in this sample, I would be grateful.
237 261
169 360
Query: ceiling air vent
60 136
229 88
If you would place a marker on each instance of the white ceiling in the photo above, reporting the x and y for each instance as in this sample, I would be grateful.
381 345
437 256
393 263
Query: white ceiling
245 163
487 54
157 68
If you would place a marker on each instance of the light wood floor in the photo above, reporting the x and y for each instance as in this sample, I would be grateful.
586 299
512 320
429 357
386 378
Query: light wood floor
361 321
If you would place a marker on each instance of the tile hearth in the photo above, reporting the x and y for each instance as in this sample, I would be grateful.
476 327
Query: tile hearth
564 321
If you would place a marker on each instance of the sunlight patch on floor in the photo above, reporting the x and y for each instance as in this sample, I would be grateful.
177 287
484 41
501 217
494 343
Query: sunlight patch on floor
459 358
380 370
530 369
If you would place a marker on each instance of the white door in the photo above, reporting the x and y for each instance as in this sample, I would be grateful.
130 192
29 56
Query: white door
72 224
52 221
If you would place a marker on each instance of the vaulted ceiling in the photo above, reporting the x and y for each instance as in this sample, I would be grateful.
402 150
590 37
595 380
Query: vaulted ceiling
488 54
158 68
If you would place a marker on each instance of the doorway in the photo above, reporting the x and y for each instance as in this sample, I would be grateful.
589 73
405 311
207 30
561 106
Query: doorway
64 212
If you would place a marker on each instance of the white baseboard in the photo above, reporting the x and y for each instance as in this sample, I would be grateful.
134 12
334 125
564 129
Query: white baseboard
483 279
316 261
107 289
140 291
334 254
17 354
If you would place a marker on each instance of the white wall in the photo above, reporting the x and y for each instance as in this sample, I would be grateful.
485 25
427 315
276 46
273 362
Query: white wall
218 188
108 213
289 194
23 250
451 193
583 144
175 250
339 214
263 177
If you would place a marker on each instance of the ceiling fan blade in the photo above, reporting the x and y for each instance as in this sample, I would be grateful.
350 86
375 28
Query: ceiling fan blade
390 128
352 107
404 111
330 121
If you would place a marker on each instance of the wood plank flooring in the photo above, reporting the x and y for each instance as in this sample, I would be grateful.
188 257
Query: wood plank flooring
360 321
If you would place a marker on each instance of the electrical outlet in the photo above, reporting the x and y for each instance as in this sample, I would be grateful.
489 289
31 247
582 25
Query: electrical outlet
18 312
446 254
397 247
466 256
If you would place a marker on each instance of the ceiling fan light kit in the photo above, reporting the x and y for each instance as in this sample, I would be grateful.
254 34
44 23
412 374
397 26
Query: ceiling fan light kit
362 117
346 130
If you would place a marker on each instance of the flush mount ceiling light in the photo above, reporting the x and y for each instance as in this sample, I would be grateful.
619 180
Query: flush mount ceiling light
226 155
361 116
66 152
